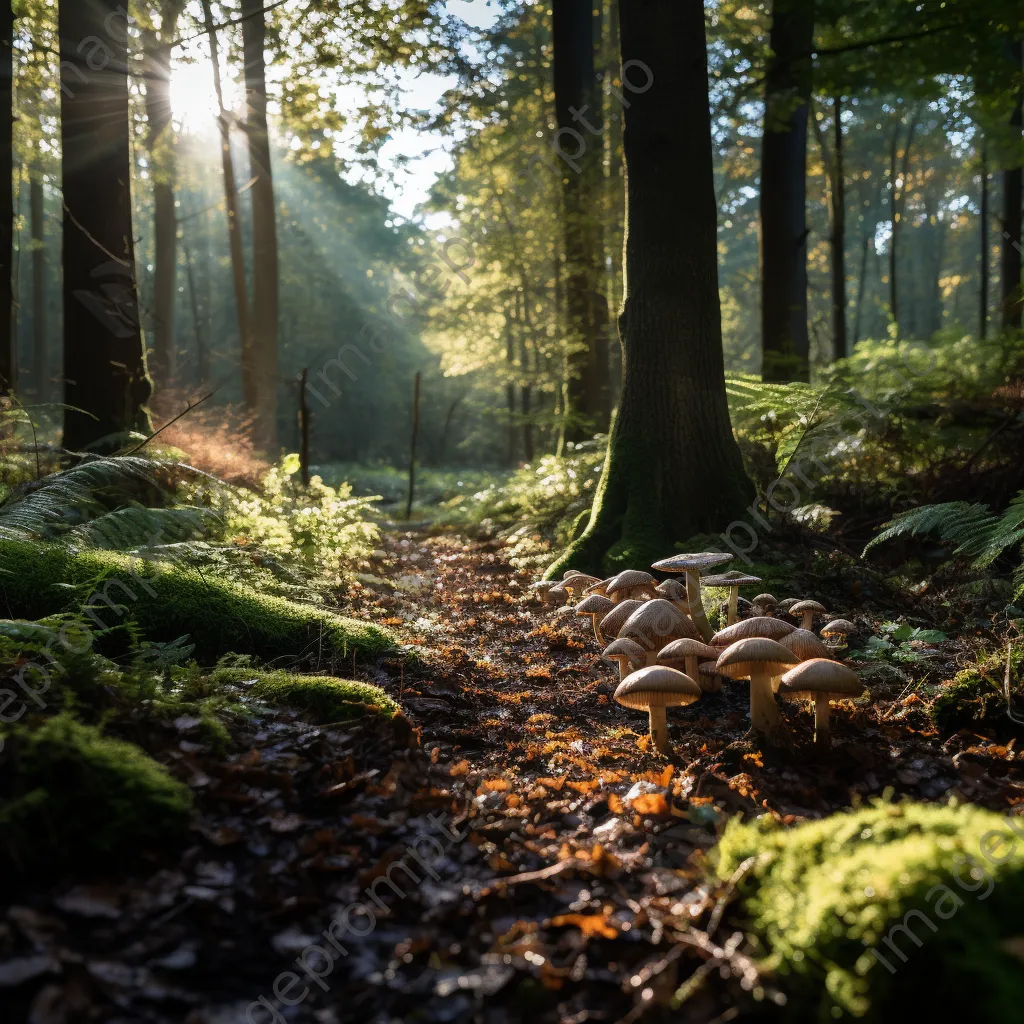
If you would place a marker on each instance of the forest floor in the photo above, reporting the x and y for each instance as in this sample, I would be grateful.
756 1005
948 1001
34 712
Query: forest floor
544 864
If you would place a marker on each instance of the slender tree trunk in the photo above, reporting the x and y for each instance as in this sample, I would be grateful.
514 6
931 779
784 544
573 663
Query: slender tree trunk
898 178
249 390
861 288
106 385
40 355
264 226
673 468
984 269
616 191
1013 186
7 355
510 389
839 344
202 358
578 110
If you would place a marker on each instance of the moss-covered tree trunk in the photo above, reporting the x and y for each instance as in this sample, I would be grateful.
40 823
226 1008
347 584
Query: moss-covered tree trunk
673 467
7 359
105 381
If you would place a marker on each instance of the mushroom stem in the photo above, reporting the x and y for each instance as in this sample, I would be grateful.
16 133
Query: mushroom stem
696 605
692 667
765 715
659 728
822 733
597 634
734 605
807 620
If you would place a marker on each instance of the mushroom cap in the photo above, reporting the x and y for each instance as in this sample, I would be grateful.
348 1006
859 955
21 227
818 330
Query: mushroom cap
805 645
820 676
656 623
672 590
595 604
732 578
598 587
616 618
843 626
699 561
805 606
628 579
625 648
757 625
688 648
764 599
569 573
657 686
742 658
576 584
788 603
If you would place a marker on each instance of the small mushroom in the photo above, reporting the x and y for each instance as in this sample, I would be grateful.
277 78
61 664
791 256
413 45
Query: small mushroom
548 592
656 623
629 655
653 689
733 580
600 587
616 618
784 606
758 625
577 583
763 604
709 680
597 607
805 645
693 564
820 680
838 627
632 583
675 591
758 659
806 611
686 654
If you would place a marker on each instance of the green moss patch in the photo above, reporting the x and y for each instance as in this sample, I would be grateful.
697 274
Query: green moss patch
861 912
974 698
168 601
323 698
72 797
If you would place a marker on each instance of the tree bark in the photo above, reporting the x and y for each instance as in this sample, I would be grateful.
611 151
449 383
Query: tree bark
898 179
265 278
785 339
40 355
579 147
106 385
984 270
673 468
7 358
1013 185
839 238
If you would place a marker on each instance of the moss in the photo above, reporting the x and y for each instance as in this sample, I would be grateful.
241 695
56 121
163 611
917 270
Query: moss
168 601
324 698
72 797
974 698
825 895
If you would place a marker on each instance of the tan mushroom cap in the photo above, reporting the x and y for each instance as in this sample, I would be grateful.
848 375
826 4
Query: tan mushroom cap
578 583
599 587
656 623
788 603
688 562
625 648
628 579
595 604
672 590
757 626
805 645
820 676
764 600
688 648
752 655
616 618
843 626
806 606
569 573
657 686
730 579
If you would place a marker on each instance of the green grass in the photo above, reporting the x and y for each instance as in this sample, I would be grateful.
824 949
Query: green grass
168 601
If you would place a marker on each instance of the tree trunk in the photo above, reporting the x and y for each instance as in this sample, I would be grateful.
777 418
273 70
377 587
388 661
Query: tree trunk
40 355
106 385
1013 184
785 340
984 270
264 227
7 358
579 147
249 393
898 181
673 468
861 287
839 239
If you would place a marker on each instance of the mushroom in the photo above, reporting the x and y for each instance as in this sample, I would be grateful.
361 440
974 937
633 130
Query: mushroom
758 625
806 610
597 607
625 652
687 654
709 680
838 627
577 583
805 645
784 606
758 659
548 592
675 591
632 583
656 623
693 564
733 580
616 618
820 680
763 604
653 689
599 587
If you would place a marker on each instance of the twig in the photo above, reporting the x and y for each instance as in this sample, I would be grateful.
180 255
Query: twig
730 890
169 423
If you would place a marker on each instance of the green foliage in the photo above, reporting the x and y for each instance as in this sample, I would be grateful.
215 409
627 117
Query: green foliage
976 698
71 797
323 698
821 896
899 642
173 601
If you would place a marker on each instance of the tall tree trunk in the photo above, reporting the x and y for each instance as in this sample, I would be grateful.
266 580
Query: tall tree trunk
673 468
785 340
984 269
40 355
861 288
839 350
898 179
510 389
1013 185
264 226
249 391
578 112
106 385
7 357
615 193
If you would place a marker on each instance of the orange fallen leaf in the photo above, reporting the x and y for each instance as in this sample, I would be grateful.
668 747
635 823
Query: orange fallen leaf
462 768
650 803
592 926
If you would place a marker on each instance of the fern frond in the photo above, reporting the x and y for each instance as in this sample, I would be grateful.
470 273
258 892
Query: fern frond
957 522
137 527
1008 531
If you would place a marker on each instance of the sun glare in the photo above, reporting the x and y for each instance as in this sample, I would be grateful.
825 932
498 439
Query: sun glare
193 100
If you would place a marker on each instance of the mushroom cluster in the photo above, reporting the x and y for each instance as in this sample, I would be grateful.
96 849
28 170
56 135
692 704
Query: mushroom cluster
668 654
